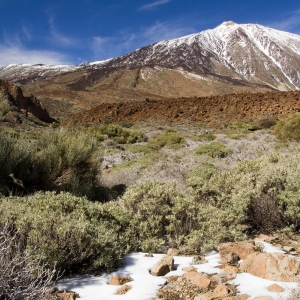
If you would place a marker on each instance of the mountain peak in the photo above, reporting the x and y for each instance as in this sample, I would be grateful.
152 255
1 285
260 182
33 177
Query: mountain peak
228 23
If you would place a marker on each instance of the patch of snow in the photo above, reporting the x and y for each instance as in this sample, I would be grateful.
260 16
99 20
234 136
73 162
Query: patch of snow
145 286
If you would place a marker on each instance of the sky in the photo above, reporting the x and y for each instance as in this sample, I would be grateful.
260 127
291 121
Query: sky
77 31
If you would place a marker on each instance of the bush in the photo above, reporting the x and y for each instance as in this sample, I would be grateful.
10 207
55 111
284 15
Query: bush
57 160
121 135
160 215
171 140
214 149
22 277
289 128
4 106
65 231
260 195
267 122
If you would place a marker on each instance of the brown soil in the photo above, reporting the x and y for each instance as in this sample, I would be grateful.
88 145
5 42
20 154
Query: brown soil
215 110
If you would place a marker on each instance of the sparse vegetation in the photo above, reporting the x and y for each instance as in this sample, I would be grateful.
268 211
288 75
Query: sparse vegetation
157 193
214 149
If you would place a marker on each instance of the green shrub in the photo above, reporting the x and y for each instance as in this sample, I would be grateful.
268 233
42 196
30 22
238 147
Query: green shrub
214 149
67 231
57 160
261 195
159 213
122 135
171 140
4 106
207 137
289 128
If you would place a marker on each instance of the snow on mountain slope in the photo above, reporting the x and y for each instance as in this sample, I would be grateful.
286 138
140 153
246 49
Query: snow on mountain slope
241 52
249 51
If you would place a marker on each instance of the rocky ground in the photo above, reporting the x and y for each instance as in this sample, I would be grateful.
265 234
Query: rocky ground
271 260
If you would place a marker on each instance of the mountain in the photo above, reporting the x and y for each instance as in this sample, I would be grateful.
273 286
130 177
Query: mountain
232 58
17 109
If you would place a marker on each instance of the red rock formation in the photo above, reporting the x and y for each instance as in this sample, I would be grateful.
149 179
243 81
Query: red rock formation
28 105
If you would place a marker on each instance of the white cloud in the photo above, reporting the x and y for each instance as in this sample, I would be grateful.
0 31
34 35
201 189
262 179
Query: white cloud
153 4
291 23
58 38
18 55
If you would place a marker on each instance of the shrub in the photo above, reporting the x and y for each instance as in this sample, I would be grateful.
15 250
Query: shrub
289 128
171 140
4 106
122 135
159 214
71 233
22 277
266 121
57 160
214 149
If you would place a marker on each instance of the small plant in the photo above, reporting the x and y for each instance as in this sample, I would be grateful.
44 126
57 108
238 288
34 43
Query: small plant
214 149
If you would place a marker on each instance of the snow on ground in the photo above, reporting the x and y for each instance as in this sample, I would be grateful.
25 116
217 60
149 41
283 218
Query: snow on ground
145 286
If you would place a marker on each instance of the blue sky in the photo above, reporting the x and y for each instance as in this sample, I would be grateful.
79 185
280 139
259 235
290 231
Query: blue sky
76 31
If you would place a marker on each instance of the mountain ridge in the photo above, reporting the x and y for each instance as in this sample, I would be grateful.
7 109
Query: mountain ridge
231 58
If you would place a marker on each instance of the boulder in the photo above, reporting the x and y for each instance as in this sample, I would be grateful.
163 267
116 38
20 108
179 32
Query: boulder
189 269
229 269
221 291
238 297
275 288
119 280
124 289
273 266
198 279
163 266
241 249
67 295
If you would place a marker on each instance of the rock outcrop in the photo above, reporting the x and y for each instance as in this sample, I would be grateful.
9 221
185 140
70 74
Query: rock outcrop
27 105
273 266
163 266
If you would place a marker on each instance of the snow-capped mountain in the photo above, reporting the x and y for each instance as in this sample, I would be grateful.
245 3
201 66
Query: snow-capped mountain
231 58
248 52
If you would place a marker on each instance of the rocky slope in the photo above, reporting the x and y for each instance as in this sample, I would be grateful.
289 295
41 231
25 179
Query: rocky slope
214 110
231 58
